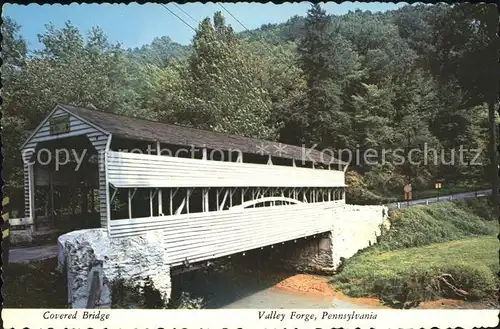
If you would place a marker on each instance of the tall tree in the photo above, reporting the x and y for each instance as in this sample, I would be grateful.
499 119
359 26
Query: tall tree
466 53
325 60
222 85
14 56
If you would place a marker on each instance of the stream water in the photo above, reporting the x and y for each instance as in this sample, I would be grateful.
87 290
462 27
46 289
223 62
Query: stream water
221 289
276 298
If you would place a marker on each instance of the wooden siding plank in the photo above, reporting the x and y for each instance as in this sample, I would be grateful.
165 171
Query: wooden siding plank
127 170
203 236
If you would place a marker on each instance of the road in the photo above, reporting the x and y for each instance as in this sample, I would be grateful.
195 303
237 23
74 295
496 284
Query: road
458 196
26 255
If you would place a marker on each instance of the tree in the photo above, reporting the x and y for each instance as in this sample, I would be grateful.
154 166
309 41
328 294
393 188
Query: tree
466 52
66 70
221 85
69 70
13 123
326 61
160 52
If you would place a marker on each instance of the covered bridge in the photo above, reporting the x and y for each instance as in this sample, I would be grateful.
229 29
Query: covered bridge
205 190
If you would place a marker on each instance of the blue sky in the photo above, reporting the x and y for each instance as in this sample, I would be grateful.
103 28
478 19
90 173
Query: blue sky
135 25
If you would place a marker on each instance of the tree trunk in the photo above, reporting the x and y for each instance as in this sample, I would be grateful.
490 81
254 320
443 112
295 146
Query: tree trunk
493 151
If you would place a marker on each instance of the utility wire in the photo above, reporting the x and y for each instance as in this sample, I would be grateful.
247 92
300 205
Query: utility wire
233 16
192 28
261 39
185 13
177 16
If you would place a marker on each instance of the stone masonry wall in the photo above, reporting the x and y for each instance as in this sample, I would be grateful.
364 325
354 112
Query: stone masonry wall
131 258
313 255
353 228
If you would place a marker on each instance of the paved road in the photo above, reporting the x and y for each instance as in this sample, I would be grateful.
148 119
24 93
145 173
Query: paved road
458 196
26 255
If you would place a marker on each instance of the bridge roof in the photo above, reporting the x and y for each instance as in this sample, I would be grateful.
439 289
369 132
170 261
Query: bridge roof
147 130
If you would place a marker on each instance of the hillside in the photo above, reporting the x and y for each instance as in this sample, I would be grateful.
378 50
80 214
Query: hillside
444 250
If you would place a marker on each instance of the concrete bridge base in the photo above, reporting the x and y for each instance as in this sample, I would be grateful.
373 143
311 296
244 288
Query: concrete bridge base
133 259
355 228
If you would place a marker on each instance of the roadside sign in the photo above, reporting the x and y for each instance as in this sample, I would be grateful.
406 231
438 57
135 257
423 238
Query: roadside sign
438 187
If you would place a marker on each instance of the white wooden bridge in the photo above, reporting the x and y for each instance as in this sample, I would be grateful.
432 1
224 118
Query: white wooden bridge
206 208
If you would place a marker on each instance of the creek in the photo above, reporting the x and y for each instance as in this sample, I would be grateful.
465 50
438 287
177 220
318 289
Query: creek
232 289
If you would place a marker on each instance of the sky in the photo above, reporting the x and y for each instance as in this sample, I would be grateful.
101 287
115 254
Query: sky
135 25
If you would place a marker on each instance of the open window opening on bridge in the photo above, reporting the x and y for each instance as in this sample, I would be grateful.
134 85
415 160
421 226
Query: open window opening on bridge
146 202
130 175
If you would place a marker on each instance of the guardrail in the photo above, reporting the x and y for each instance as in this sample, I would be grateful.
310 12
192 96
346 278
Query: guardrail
457 196
16 223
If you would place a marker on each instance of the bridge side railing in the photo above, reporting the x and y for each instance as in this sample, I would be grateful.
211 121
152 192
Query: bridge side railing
130 170
200 236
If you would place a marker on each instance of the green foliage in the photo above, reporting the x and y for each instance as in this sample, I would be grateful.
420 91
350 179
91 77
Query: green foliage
34 285
422 225
125 294
186 301
161 52
13 125
221 89
359 193
404 78
430 252
152 297
481 207
402 278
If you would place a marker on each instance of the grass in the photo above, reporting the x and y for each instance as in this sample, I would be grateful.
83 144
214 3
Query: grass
443 250
441 222
415 274
34 285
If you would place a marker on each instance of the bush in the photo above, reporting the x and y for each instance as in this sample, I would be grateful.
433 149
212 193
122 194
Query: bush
186 301
440 222
34 285
124 294
482 207
151 295
463 269
358 193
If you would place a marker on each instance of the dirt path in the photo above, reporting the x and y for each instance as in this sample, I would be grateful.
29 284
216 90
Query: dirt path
26 255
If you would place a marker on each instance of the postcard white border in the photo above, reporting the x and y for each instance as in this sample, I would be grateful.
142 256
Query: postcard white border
249 318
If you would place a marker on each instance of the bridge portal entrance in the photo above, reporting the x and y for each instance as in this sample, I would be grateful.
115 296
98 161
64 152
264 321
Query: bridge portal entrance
66 184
